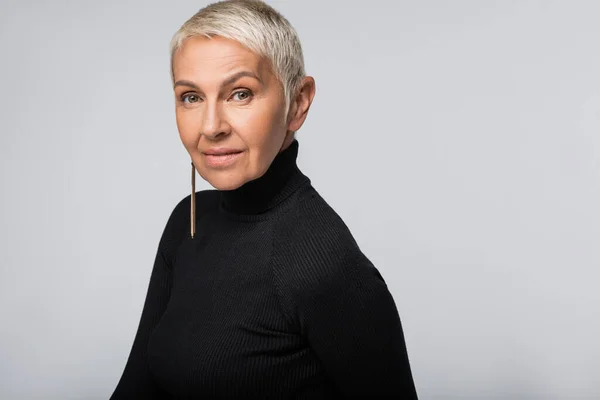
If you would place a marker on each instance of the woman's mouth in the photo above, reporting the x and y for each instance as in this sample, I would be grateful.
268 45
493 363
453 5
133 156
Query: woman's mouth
221 158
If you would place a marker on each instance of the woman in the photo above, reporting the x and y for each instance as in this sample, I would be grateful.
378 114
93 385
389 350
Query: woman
258 288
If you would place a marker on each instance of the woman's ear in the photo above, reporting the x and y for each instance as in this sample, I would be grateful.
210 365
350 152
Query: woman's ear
301 103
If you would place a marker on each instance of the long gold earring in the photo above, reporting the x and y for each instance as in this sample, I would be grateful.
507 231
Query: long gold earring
193 203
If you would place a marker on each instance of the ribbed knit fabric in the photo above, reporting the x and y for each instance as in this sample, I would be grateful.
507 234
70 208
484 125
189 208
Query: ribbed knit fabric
272 299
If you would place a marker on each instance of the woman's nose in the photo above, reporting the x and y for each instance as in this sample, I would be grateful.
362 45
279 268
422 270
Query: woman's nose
214 124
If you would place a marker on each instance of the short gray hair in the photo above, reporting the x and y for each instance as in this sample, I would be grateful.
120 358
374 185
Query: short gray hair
256 26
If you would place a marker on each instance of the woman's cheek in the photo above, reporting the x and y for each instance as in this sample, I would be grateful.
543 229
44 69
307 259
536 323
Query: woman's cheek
188 129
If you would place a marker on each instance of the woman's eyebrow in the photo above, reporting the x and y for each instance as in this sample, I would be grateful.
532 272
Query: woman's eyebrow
186 83
228 81
239 75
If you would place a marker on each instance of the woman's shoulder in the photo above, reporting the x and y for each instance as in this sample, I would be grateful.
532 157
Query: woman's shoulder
314 248
315 232
315 218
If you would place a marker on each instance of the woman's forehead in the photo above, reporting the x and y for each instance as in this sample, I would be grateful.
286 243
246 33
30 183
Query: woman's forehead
201 56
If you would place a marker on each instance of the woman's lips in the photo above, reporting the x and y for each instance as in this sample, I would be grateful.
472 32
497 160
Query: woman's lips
222 160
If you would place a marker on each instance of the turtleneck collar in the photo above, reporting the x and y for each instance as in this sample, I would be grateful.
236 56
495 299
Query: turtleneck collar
262 194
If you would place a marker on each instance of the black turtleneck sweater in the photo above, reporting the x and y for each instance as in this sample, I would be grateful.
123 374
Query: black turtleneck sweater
271 299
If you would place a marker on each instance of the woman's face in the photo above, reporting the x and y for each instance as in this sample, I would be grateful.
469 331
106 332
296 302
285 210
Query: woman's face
230 110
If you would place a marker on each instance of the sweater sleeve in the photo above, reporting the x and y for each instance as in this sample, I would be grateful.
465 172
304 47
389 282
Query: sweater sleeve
136 381
350 320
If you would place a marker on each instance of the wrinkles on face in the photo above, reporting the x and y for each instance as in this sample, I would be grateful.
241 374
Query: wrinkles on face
246 113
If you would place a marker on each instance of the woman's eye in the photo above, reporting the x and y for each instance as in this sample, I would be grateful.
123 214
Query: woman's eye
190 98
242 95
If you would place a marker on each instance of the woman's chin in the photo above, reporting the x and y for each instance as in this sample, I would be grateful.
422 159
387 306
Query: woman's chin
226 186
224 182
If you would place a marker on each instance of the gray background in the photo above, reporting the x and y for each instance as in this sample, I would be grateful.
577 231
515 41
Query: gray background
459 140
